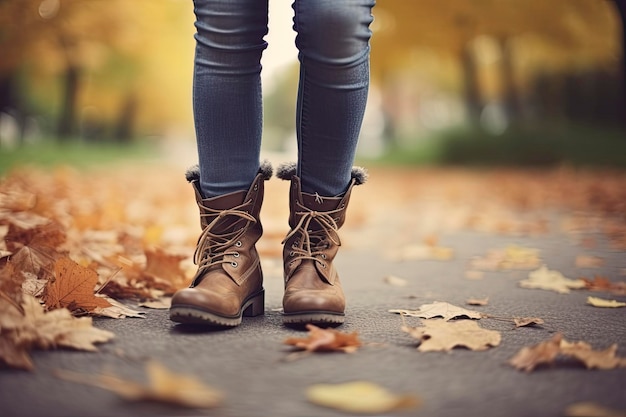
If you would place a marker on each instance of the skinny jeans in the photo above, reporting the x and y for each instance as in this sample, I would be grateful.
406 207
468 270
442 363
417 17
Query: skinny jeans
333 52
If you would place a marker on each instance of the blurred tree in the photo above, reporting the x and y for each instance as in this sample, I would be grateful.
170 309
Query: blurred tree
531 37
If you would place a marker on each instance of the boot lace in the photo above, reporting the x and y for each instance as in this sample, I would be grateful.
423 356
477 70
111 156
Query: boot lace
212 246
314 242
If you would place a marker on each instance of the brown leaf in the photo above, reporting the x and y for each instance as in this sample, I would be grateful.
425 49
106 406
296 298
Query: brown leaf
163 386
165 266
11 279
326 340
588 261
395 281
529 357
73 287
527 321
477 301
593 359
547 352
37 329
441 335
439 309
603 284
589 409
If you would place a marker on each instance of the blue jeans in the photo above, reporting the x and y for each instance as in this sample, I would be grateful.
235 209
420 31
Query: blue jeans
333 44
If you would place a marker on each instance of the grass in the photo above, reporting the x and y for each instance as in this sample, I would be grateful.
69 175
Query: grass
47 153
539 146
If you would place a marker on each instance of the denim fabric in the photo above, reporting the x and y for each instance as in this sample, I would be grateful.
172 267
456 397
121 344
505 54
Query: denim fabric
333 44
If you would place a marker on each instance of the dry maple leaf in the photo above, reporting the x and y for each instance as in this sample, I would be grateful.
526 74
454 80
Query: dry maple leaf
527 321
11 280
529 357
33 328
546 279
359 397
593 359
546 352
165 266
600 283
439 309
601 302
326 340
477 301
441 335
163 386
73 287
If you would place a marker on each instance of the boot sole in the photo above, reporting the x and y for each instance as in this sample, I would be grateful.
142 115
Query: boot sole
252 307
316 318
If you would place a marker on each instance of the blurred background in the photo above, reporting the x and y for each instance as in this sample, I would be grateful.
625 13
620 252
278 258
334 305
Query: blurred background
481 82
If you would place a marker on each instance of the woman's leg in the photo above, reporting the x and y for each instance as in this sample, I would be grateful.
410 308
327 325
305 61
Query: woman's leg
227 92
333 42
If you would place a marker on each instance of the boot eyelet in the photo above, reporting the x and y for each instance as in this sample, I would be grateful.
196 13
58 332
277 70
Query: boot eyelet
234 264
292 253
324 265
238 243
236 254
256 187
323 256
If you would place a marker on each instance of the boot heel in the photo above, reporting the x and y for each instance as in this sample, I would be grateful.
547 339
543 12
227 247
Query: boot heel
256 306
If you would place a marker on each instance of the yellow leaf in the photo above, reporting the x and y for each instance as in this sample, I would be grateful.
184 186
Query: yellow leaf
601 302
163 386
439 309
359 397
440 335
546 279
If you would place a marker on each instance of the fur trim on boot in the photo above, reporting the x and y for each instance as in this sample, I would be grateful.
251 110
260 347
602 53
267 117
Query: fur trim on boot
193 172
288 169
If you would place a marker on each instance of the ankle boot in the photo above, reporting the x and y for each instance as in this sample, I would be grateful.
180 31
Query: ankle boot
313 292
229 280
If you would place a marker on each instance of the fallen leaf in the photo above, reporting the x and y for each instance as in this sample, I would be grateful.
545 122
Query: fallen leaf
359 397
326 340
441 335
395 281
547 352
73 288
162 303
162 386
527 321
587 261
116 310
165 266
589 409
512 257
34 328
546 279
439 309
603 284
601 302
478 301
593 359
529 357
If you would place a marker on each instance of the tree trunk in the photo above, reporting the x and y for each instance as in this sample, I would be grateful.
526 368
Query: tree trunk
67 120
472 92
621 8
507 73
126 120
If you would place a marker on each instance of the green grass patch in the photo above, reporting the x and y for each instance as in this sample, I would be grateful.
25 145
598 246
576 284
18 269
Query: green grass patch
539 146
48 154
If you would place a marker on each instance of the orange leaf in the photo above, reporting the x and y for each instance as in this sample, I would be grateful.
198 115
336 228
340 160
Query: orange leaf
72 287
326 340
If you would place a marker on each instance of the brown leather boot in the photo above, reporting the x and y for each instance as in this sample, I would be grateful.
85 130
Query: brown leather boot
313 292
229 281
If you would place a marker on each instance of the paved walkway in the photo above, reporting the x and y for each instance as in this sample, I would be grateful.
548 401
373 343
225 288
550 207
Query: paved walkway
399 210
